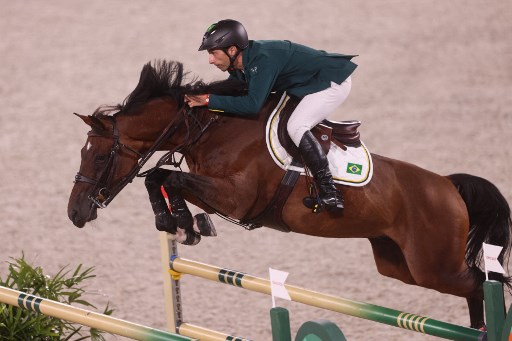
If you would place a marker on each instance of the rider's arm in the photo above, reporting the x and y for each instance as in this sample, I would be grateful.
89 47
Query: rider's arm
261 76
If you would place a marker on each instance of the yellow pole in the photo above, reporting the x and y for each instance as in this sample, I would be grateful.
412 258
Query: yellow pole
85 317
173 316
204 334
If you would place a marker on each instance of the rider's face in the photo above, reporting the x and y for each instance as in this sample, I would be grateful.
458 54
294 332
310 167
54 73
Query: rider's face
219 58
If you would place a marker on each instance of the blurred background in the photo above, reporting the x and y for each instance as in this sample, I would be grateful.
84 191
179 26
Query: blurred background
433 88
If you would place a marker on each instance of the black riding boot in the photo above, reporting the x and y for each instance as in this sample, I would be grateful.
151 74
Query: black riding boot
316 160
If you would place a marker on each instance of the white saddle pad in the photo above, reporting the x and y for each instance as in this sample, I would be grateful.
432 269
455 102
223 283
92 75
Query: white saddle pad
351 167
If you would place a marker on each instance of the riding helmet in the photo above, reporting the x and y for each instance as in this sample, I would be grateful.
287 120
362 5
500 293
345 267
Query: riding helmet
224 34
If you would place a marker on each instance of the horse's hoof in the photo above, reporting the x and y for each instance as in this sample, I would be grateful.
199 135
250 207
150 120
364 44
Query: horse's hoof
204 225
186 237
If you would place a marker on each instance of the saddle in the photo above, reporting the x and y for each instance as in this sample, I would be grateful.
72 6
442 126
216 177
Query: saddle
343 133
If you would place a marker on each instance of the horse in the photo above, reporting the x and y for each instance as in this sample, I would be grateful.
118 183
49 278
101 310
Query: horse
425 229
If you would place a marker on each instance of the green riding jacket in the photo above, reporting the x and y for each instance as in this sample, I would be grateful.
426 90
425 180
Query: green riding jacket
280 65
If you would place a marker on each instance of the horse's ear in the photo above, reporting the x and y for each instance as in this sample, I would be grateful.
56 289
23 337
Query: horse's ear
92 121
86 119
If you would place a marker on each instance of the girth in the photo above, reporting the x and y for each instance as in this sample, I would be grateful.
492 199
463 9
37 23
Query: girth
272 215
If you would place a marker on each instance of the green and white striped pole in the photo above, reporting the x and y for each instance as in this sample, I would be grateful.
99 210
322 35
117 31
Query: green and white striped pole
367 311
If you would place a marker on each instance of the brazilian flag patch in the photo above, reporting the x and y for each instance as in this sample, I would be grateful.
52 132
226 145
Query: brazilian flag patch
354 168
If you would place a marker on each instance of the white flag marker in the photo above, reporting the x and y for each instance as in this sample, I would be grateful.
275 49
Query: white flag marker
491 253
277 279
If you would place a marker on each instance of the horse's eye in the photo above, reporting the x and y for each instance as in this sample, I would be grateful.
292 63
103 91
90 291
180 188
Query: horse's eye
100 159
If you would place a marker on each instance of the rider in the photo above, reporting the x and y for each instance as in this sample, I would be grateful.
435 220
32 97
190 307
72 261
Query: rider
321 79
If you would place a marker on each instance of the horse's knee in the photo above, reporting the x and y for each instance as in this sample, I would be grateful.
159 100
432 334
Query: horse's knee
156 198
157 177
151 184
173 181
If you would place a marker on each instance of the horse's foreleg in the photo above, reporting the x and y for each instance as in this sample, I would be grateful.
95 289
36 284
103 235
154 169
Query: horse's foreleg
179 220
164 221
185 233
210 194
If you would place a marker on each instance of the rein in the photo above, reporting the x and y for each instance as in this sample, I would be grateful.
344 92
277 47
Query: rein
104 190
105 194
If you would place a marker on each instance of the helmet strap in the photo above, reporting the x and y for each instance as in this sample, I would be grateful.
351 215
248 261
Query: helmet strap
232 59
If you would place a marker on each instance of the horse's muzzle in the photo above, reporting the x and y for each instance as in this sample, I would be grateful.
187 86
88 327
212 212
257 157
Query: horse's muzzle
79 220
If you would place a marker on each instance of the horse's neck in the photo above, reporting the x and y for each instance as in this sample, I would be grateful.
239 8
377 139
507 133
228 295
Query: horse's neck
229 141
146 124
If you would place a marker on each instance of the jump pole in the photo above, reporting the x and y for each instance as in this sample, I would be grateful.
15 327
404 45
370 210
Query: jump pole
85 317
173 305
363 310
172 294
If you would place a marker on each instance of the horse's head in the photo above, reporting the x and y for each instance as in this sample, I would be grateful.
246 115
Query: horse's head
110 157
118 145
109 162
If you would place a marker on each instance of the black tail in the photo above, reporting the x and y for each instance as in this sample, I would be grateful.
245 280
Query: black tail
489 218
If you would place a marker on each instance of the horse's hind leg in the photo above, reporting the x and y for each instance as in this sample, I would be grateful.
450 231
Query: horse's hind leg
436 261
476 302
390 260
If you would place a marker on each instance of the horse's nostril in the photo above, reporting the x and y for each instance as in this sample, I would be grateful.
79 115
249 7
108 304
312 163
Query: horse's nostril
74 217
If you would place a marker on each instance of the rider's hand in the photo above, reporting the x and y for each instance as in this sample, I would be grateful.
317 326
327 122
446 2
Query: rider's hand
196 100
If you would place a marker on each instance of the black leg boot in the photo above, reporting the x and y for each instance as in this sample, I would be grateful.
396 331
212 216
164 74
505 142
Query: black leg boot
317 162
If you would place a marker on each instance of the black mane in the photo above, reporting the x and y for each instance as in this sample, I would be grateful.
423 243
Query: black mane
166 78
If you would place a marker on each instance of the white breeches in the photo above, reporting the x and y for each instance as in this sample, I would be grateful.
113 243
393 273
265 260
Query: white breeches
316 107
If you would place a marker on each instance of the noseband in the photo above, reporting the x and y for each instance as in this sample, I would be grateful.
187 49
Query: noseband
104 191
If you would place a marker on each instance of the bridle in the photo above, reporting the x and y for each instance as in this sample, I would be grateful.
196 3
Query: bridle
104 190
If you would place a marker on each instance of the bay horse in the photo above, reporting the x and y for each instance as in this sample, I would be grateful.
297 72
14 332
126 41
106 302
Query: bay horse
425 229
